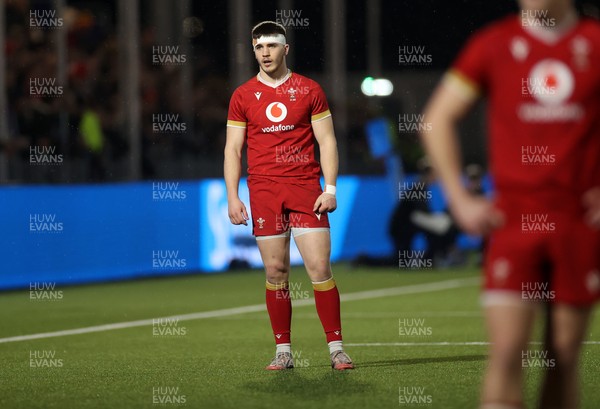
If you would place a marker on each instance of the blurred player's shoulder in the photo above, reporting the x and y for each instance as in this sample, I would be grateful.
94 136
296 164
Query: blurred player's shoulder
486 41
590 27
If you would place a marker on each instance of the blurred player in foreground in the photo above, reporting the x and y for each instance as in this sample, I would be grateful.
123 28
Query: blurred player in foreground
540 71
280 115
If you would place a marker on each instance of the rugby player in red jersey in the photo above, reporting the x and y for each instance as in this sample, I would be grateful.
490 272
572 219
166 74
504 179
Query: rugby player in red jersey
540 71
279 115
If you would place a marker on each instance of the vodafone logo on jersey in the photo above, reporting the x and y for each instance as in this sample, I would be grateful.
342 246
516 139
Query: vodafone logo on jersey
276 111
551 82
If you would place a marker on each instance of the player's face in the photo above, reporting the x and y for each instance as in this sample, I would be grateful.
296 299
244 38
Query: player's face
270 57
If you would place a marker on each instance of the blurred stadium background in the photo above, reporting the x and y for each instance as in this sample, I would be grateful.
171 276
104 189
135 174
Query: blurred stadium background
112 127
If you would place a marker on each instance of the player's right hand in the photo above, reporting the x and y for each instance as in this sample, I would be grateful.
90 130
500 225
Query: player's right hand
476 215
237 212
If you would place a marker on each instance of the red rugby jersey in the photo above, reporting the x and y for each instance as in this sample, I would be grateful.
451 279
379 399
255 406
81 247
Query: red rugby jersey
543 104
278 119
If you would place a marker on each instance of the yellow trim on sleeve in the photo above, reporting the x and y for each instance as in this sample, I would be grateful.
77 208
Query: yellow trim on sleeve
462 83
324 285
320 116
236 124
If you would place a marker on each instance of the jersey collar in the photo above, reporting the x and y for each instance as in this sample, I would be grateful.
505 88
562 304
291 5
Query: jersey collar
552 35
277 83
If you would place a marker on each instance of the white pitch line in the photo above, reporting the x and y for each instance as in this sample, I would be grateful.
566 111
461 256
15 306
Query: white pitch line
361 295
411 344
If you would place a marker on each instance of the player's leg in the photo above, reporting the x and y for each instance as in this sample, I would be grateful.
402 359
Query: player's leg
513 262
273 240
565 331
508 325
576 287
314 245
275 253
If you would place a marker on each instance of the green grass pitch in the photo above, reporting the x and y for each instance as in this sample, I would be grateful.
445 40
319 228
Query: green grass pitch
218 362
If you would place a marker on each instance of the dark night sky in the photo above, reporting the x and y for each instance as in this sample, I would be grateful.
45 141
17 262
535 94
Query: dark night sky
441 26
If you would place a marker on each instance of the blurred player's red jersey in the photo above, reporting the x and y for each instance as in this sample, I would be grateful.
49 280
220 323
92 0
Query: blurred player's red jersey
544 107
279 120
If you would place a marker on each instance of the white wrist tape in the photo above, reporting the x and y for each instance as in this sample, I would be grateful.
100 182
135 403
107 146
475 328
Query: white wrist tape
330 189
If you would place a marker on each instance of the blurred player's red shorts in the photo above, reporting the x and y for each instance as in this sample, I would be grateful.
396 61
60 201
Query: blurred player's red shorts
544 252
277 207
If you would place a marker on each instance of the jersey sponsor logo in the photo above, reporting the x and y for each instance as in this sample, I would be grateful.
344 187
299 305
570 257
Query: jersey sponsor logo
257 95
551 83
278 128
276 111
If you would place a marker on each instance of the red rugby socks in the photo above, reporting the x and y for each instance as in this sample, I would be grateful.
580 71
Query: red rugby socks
279 306
327 300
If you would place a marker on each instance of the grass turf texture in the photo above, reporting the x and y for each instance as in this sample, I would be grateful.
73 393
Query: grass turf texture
218 362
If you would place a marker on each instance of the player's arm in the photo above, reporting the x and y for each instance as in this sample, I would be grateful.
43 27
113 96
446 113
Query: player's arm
449 103
325 136
232 169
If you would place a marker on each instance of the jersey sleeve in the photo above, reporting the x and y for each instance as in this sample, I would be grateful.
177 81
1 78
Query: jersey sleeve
236 117
319 108
469 72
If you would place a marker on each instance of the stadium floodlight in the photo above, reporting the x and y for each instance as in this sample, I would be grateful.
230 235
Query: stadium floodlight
378 87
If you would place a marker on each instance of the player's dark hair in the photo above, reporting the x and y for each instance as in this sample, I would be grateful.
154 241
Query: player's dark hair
267 28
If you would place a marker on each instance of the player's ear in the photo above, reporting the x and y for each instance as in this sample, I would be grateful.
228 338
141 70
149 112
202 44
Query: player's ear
286 48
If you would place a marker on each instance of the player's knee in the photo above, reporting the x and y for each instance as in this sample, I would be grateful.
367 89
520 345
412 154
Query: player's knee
276 271
319 270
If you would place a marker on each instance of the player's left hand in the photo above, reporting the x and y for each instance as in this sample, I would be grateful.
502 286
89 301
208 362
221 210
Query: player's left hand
591 200
326 202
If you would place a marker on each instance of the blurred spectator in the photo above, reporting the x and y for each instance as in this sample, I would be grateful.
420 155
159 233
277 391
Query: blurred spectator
92 104
413 215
